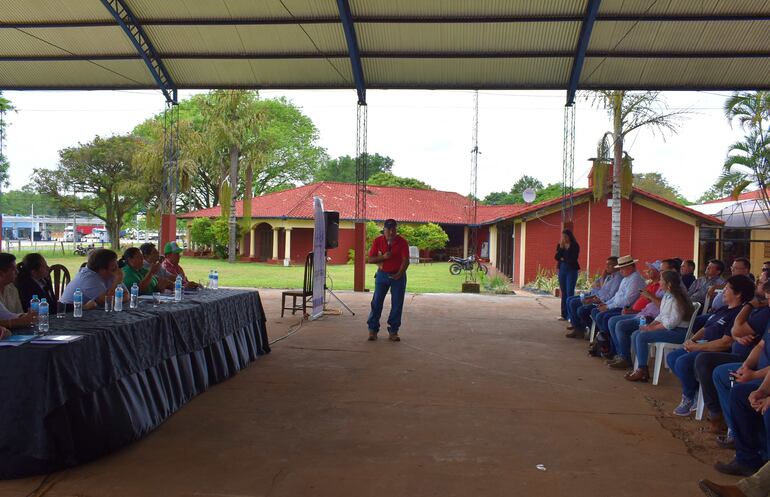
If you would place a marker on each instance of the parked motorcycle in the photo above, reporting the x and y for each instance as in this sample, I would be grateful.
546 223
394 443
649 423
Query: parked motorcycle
458 264
84 251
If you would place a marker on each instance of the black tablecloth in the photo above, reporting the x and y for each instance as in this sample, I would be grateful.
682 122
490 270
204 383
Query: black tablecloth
65 404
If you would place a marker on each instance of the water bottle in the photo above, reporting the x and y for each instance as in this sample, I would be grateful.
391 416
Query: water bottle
582 296
34 306
119 298
134 296
77 303
178 289
211 279
42 318
642 321
216 280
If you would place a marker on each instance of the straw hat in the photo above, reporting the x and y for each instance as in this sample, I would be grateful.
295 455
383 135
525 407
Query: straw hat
626 260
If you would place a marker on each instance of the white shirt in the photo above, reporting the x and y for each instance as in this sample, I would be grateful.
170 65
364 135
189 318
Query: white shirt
10 299
670 314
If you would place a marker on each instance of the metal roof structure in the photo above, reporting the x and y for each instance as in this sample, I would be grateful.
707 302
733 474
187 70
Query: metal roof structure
385 44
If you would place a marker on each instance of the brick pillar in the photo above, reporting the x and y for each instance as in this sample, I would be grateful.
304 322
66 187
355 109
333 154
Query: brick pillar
167 230
359 266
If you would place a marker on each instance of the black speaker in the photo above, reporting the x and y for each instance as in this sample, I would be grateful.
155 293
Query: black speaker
332 219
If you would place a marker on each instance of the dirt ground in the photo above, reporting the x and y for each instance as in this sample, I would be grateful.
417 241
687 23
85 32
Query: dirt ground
484 396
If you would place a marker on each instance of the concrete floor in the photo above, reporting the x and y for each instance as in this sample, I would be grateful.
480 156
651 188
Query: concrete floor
480 392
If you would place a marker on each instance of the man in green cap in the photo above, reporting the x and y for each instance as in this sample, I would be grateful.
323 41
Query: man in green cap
173 253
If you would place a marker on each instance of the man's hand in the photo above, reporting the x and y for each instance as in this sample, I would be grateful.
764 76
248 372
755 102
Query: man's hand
4 333
154 268
602 307
27 318
756 397
744 375
745 340
627 310
764 404
397 275
691 346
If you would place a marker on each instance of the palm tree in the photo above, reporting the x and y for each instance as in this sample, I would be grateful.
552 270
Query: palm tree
629 112
747 160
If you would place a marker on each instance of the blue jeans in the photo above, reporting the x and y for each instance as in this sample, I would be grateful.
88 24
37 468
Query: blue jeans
573 304
602 318
750 427
621 327
582 317
641 340
721 380
567 281
705 365
382 283
682 363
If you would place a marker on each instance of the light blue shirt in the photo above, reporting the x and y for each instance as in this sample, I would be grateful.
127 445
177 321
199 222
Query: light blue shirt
90 283
610 286
628 291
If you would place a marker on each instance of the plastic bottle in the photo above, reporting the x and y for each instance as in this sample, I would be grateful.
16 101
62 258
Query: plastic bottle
119 292
134 296
178 289
42 317
77 303
642 321
216 280
211 279
34 306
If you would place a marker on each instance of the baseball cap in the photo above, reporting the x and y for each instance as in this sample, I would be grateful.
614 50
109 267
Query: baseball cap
172 248
656 265
390 223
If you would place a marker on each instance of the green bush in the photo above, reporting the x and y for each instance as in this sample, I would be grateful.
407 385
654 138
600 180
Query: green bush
201 232
498 283
351 256
221 236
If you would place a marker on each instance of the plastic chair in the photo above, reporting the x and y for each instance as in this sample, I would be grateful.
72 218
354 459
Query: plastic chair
659 350
706 305
699 405
60 277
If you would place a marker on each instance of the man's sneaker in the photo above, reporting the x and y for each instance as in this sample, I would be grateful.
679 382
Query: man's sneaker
372 336
683 409
736 468
393 337
620 363
726 441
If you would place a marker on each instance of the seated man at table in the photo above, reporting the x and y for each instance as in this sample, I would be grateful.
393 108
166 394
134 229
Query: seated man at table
151 256
135 272
97 280
173 253
8 318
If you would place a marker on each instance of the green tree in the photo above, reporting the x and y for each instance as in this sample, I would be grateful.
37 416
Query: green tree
525 182
748 160
629 112
726 185
502 198
202 232
657 184
343 169
5 107
97 178
390 179
430 236
22 201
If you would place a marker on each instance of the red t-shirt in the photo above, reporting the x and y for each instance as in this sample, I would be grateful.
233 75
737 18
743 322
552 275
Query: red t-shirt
642 302
399 250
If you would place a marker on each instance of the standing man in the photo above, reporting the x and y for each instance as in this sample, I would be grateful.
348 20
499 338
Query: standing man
391 253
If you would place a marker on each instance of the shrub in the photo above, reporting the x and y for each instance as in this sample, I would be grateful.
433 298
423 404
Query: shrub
221 236
201 232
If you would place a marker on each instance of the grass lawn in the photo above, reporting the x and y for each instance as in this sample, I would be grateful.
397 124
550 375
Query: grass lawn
423 278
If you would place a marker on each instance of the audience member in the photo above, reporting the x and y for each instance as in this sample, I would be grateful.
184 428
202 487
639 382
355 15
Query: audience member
579 310
34 279
135 272
97 280
8 271
688 273
670 325
713 337
173 253
151 256
712 276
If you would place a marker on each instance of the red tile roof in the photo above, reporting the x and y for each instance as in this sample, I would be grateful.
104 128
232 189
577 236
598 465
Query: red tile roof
401 204
382 202
752 195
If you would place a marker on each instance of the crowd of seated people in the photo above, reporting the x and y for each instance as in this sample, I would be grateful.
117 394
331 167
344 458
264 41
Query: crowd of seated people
724 360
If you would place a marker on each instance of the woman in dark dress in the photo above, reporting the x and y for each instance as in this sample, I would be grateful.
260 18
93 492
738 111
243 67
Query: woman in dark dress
567 252
34 279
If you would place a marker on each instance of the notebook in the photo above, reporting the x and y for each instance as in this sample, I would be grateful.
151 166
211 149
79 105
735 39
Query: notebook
16 340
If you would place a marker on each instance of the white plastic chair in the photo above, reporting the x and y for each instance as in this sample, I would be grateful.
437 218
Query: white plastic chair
659 350
699 405
706 305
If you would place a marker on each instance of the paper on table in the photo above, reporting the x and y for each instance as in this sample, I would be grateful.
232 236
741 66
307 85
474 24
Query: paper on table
57 339
15 340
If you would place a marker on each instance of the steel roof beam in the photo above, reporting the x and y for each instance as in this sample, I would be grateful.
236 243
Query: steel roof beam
396 55
245 21
592 10
355 57
402 86
133 29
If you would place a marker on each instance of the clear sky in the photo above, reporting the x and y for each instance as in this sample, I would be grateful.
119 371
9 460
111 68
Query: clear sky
427 133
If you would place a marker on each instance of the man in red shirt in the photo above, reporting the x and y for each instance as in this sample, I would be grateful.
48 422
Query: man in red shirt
391 253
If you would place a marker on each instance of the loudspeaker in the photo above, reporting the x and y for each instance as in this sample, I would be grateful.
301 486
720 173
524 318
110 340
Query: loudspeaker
332 219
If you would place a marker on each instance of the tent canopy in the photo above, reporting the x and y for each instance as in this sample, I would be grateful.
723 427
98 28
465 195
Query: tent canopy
381 44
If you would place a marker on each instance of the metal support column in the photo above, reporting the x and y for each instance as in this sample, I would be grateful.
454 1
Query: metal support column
359 268
170 174
568 167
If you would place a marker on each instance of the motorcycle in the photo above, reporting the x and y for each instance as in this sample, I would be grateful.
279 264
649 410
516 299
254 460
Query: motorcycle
84 251
458 264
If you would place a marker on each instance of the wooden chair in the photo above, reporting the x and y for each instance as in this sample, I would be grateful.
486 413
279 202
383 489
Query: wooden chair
60 277
306 294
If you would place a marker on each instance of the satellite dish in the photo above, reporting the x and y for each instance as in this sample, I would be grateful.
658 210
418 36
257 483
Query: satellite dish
529 195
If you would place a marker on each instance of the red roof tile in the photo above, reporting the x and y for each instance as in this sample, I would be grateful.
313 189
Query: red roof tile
382 202
752 195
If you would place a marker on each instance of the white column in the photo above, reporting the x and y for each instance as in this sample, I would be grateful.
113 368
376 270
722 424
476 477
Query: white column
522 252
253 244
696 247
465 241
287 248
275 244
493 245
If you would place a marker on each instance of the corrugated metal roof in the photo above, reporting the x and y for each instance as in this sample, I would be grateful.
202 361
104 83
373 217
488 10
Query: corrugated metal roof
640 44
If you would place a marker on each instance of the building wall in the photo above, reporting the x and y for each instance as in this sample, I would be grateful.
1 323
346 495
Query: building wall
657 236
301 244
758 253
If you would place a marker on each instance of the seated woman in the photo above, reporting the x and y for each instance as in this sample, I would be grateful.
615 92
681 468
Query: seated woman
145 278
670 325
715 336
34 279
10 319
749 326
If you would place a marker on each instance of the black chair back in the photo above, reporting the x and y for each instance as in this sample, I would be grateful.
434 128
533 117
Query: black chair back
307 284
60 277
